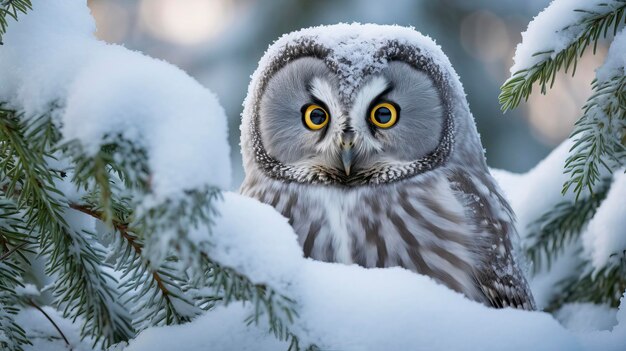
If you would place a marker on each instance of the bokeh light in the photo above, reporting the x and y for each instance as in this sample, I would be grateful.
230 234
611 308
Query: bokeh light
186 22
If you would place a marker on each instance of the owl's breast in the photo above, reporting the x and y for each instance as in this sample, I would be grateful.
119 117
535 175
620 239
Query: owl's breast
420 226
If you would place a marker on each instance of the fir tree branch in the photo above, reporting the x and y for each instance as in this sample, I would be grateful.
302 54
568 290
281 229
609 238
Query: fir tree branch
81 285
32 303
600 136
227 285
604 286
10 277
592 27
172 316
14 336
11 8
561 225
13 250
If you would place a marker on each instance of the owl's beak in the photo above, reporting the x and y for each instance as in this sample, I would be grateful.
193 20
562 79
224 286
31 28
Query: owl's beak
346 159
347 155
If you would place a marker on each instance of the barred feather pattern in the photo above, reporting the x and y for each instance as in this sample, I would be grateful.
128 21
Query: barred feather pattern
450 225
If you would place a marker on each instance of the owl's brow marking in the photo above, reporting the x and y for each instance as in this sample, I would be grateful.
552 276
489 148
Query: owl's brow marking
322 94
321 90
374 89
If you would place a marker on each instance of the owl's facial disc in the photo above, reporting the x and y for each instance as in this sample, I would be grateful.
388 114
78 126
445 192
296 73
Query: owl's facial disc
396 117
301 117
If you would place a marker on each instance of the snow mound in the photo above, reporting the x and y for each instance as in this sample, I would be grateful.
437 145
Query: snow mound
98 92
351 308
585 317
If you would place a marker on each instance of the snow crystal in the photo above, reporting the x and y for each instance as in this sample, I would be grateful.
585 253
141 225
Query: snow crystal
615 62
553 30
606 232
101 91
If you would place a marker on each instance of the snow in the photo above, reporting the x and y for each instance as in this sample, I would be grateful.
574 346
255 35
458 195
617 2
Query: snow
554 29
586 317
99 92
246 227
27 290
615 62
606 232
222 329
347 307
613 340
43 335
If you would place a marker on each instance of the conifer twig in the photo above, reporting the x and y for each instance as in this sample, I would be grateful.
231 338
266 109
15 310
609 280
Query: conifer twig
122 228
32 303
9 252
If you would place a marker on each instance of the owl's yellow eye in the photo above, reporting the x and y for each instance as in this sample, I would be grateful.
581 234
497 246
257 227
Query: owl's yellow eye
315 117
384 115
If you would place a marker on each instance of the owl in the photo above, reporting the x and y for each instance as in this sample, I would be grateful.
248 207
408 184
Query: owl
362 137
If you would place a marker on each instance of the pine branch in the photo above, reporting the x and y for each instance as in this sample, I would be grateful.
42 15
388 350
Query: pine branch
227 286
74 257
600 136
161 284
11 234
605 286
562 225
11 8
32 303
592 27
13 337
167 224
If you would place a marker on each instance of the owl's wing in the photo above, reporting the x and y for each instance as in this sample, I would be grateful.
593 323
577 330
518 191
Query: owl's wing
498 277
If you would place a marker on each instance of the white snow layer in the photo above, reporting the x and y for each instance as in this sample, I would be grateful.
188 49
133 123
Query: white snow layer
554 29
343 307
585 317
100 91
606 233
615 62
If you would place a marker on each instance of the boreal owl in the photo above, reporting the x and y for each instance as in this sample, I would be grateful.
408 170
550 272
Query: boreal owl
362 137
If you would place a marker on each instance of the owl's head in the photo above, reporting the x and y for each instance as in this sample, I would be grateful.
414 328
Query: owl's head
356 104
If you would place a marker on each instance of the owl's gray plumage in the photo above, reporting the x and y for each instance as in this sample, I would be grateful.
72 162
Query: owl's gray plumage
417 195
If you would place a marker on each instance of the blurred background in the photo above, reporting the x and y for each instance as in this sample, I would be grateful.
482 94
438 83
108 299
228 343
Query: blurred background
219 42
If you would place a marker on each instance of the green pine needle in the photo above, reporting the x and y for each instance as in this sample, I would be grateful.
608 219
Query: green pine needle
11 8
594 27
